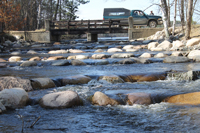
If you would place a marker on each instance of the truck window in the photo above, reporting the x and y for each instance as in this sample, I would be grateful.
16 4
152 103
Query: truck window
116 13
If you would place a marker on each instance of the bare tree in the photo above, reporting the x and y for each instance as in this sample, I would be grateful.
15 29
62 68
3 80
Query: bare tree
189 19
174 22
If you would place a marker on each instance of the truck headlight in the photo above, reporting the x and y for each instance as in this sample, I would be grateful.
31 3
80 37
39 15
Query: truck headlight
160 19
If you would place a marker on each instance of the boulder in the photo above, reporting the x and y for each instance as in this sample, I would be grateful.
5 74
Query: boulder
64 99
189 98
76 51
99 51
127 61
113 50
128 47
165 45
139 98
42 83
152 45
101 99
160 55
35 58
71 57
31 52
56 58
16 53
3 65
58 52
14 59
146 55
193 54
81 57
2 108
111 79
176 45
9 82
176 59
177 53
78 63
192 42
186 76
78 79
102 62
2 60
157 49
14 98
28 64
132 50
99 56
142 60
122 55
61 63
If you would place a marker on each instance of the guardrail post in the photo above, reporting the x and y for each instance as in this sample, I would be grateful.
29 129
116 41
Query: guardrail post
130 29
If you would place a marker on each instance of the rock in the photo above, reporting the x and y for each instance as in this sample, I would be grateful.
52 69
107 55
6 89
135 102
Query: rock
2 108
127 61
78 79
176 45
165 45
71 57
81 57
16 53
56 43
9 82
101 99
128 47
42 83
192 42
102 62
122 55
160 55
189 98
78 63
99 51
31 52
61 63
64 99
14 98
99 56
194 54
156 49
152 45
76 51
146 55
56 58
101 47
177 53
35 59
188 76
142 60
113 50
111 79
132 50
14 59
3 65
176 59
139 98
2 60
28 64
58 52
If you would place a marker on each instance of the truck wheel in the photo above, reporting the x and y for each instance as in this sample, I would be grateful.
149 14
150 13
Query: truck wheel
152 24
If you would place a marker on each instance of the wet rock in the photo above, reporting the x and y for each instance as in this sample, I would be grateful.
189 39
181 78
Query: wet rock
176 59
78 79
14 98
3 65
9 82
31 52
113 50
14 59
78 63
101 47
128 47
177 53
42 83
76 51
2 60
165 45
127 61
139 98
28 64
56 43
81 57
188 76
192 42
101 99
61 63
99 51
122 55
152 45
102 62
146 55
58 52
99 56
15 53
35 59
160 55
2 108
111 79
189 98
64 99
142 60
71 57
194 54
157 49
56 58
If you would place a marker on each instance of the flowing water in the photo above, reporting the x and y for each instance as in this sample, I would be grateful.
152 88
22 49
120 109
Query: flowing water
158 117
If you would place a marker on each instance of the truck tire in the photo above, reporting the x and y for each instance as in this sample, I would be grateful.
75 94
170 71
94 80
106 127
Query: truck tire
152 24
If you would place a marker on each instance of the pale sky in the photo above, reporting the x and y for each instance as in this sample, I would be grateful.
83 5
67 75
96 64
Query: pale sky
94 9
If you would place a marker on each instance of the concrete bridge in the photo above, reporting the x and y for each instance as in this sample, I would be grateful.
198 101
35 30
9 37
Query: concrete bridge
55 29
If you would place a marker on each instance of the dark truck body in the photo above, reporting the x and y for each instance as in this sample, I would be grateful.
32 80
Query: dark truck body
139 17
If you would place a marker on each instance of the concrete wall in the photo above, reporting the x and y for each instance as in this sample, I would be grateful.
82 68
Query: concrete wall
36 36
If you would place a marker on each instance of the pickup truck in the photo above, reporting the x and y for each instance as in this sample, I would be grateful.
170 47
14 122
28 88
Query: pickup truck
139 17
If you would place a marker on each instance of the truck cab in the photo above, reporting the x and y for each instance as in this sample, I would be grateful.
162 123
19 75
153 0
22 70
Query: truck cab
139 17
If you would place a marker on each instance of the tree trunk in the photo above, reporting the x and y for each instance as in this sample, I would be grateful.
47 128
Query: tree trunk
189 19
182 15
163 5
168 14
56 10
39 15
174 22
60 11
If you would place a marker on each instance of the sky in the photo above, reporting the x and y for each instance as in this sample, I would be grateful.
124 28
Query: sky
94 9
